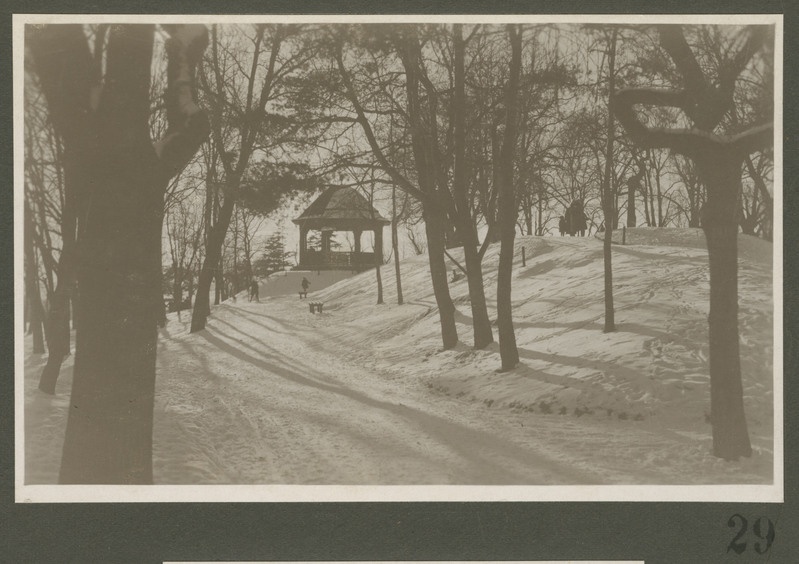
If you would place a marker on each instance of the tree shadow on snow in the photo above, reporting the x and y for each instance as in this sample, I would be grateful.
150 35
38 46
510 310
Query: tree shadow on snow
477 447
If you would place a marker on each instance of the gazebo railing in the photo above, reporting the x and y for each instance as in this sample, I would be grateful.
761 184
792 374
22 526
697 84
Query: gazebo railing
337 259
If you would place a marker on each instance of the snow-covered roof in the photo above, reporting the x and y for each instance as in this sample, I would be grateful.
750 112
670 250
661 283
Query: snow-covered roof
341 207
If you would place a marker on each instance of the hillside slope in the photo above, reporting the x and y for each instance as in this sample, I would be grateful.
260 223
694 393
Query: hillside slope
653 369
363 394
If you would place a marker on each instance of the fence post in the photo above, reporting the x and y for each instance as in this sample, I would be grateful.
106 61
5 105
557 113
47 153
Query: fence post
623 234
524 261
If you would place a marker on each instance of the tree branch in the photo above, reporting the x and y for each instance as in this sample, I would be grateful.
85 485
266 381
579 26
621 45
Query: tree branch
753 139
188 124
395 175
707 104
686 141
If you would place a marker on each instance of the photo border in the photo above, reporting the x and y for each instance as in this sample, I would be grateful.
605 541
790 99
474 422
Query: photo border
656 532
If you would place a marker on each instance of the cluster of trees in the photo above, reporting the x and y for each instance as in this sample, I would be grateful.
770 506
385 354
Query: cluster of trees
473 133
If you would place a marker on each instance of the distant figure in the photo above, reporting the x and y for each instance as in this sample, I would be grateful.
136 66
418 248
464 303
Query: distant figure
254 291
562 227
575 218
305 283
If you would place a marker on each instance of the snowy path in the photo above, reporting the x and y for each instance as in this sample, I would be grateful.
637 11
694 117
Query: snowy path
280 408
262 397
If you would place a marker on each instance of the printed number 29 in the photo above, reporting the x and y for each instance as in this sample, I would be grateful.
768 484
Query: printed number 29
763 529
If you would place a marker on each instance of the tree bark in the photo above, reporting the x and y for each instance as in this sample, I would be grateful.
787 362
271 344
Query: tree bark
481 324
433 213
438 275
213 255
508 210
722 177
108 438
718 160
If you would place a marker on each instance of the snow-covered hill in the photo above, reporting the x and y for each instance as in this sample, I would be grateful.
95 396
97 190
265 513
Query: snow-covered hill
363 393
654 367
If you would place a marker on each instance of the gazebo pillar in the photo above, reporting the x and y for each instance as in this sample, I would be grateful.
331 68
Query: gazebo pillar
357 233
326 235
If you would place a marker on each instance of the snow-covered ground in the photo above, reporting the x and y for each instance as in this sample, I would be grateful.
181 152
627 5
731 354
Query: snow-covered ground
363 394
290 282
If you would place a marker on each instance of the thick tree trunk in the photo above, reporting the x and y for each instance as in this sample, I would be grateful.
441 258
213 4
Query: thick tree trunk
438 276
481 324
718 161
109 430
213 255
723 180
108 438
508 351
508 211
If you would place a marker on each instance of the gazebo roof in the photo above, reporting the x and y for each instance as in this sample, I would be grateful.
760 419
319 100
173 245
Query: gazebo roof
341 207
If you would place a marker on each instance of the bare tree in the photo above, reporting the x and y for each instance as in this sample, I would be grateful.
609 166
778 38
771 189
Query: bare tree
507 206
122 175
238 99
718 158
608 192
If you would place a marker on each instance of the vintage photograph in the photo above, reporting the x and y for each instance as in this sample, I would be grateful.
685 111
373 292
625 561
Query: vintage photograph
451 254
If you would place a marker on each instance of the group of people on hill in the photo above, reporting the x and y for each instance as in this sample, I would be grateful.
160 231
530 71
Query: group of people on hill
575 220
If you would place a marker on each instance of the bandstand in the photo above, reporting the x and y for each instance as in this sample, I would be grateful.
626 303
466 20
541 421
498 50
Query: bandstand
340 208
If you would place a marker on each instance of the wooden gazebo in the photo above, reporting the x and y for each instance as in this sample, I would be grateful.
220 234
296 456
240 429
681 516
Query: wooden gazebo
340 208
